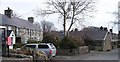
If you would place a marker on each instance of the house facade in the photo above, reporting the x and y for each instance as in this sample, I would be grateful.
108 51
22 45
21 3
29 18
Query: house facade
114 40
98 38
23 29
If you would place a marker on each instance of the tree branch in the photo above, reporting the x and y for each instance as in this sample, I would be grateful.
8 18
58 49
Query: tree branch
55 6
72 19
83 8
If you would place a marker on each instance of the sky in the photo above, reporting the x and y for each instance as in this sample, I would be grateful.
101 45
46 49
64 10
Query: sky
26 8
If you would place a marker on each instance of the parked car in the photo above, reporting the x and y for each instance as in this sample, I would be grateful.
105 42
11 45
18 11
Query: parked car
48 48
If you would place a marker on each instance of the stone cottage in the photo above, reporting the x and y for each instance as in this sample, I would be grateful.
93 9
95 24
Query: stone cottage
23 29
98 38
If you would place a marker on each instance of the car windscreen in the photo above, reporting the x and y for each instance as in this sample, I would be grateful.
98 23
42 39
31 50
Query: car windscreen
43 46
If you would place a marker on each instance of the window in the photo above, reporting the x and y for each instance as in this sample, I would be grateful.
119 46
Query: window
30 32
27 31
35 32
43 46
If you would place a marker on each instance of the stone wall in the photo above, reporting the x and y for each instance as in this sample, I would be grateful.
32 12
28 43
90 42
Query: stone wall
83 49
80 50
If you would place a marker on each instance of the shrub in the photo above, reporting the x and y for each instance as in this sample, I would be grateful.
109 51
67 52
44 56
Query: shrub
67 43
78 41
49 38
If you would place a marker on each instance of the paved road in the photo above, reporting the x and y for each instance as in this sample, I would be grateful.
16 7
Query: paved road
93 55
90 57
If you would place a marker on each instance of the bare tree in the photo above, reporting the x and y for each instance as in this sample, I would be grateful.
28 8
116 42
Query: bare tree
38 25
47 27
70 11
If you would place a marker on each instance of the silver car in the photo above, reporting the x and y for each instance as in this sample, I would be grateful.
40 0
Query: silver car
48 48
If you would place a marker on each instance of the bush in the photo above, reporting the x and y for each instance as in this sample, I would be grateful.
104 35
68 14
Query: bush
49 38
67 43
77 41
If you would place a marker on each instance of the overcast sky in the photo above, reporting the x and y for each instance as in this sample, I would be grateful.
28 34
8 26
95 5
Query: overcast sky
26 8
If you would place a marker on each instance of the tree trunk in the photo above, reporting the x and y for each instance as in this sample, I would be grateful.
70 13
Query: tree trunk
72 21
64 24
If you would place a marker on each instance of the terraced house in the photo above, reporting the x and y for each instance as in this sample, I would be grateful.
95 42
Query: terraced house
23 29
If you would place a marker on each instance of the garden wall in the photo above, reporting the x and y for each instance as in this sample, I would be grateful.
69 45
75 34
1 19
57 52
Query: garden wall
83 49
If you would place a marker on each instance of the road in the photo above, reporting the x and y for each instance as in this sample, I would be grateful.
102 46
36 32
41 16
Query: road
93 55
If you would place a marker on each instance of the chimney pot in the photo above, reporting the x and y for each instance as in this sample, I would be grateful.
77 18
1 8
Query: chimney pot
8 12
76 29
31 19
111 30
105 29
101 28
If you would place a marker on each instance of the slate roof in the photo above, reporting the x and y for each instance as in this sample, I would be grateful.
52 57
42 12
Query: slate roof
18 23
93 33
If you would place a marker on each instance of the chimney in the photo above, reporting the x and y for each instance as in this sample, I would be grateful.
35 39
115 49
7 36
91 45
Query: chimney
76 29
101 28
111 30
71 30
8 12
31 19
105 29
